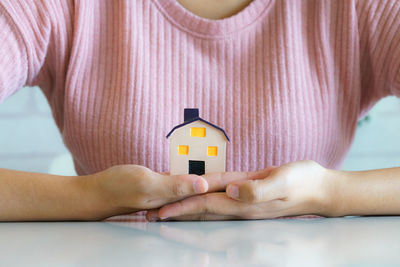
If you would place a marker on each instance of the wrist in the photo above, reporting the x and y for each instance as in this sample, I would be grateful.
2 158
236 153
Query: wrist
92 201
320 192
336 187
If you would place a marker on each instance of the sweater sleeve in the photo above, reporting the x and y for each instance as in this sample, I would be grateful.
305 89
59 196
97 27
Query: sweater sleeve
379 30
24 38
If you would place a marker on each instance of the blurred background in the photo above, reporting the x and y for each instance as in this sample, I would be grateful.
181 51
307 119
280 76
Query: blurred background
30 140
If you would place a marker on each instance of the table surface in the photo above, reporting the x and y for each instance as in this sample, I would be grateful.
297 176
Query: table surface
351 241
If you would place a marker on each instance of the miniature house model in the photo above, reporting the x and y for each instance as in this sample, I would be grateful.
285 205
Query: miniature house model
197 146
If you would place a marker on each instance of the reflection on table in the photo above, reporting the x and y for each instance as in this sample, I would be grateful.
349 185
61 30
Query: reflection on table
295 242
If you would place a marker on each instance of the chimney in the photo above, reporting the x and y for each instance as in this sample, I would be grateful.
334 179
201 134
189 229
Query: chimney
191 113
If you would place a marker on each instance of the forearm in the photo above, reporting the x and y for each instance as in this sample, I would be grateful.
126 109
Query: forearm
375 192
28 196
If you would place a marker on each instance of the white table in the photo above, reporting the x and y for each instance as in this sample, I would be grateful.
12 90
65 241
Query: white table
352 241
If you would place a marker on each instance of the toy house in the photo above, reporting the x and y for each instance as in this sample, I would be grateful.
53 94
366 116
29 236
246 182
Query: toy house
197 146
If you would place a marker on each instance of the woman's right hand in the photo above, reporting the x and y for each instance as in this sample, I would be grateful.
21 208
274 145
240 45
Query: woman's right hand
124 189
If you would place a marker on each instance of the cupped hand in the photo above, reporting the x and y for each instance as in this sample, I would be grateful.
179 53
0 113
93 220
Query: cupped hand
295 188
129 188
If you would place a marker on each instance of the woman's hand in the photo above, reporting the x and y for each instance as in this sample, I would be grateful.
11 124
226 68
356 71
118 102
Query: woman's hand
292 189
129 188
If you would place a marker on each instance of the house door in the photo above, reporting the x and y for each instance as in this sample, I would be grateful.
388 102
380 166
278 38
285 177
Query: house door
196 167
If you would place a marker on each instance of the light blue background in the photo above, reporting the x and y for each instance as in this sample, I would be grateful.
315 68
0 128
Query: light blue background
30 140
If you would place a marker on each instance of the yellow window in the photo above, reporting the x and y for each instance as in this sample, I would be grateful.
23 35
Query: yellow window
183 150
197 132
212 151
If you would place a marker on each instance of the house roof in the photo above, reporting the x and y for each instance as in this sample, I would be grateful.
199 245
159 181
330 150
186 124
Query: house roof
197 119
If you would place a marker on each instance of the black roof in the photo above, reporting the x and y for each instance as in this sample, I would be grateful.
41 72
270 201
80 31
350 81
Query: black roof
197 119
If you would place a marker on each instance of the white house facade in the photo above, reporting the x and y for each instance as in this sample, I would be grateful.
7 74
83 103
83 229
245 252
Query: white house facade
197 147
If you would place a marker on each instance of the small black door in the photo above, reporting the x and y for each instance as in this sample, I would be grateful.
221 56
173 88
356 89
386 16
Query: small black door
196 167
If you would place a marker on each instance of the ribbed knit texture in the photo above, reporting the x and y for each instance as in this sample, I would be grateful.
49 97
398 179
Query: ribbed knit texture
287 80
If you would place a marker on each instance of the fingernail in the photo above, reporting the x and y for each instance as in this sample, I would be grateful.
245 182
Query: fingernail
198 186
163 218
153 219
233 191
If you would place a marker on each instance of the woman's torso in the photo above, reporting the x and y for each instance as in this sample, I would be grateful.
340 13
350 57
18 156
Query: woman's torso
282 78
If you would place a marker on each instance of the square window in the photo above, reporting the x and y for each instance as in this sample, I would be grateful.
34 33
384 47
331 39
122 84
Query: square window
183 150
212 151
198 132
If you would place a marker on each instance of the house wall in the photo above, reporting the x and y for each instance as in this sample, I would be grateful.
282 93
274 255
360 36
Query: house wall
29 137
376 144
197 149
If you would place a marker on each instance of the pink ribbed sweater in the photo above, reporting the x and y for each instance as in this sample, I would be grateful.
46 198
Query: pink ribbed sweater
287 80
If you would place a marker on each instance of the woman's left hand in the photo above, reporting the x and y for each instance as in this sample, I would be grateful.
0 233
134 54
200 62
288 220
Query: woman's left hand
295 188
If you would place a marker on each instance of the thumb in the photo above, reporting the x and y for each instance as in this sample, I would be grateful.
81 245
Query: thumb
256 191
179 186
219 181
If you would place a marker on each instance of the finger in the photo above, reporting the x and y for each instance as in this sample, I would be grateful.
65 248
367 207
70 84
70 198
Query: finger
256 191
204 217
219 181
213 203
152 215
179 186
261 174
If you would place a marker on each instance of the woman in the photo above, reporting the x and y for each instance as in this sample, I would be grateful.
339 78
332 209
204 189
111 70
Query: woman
287 80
